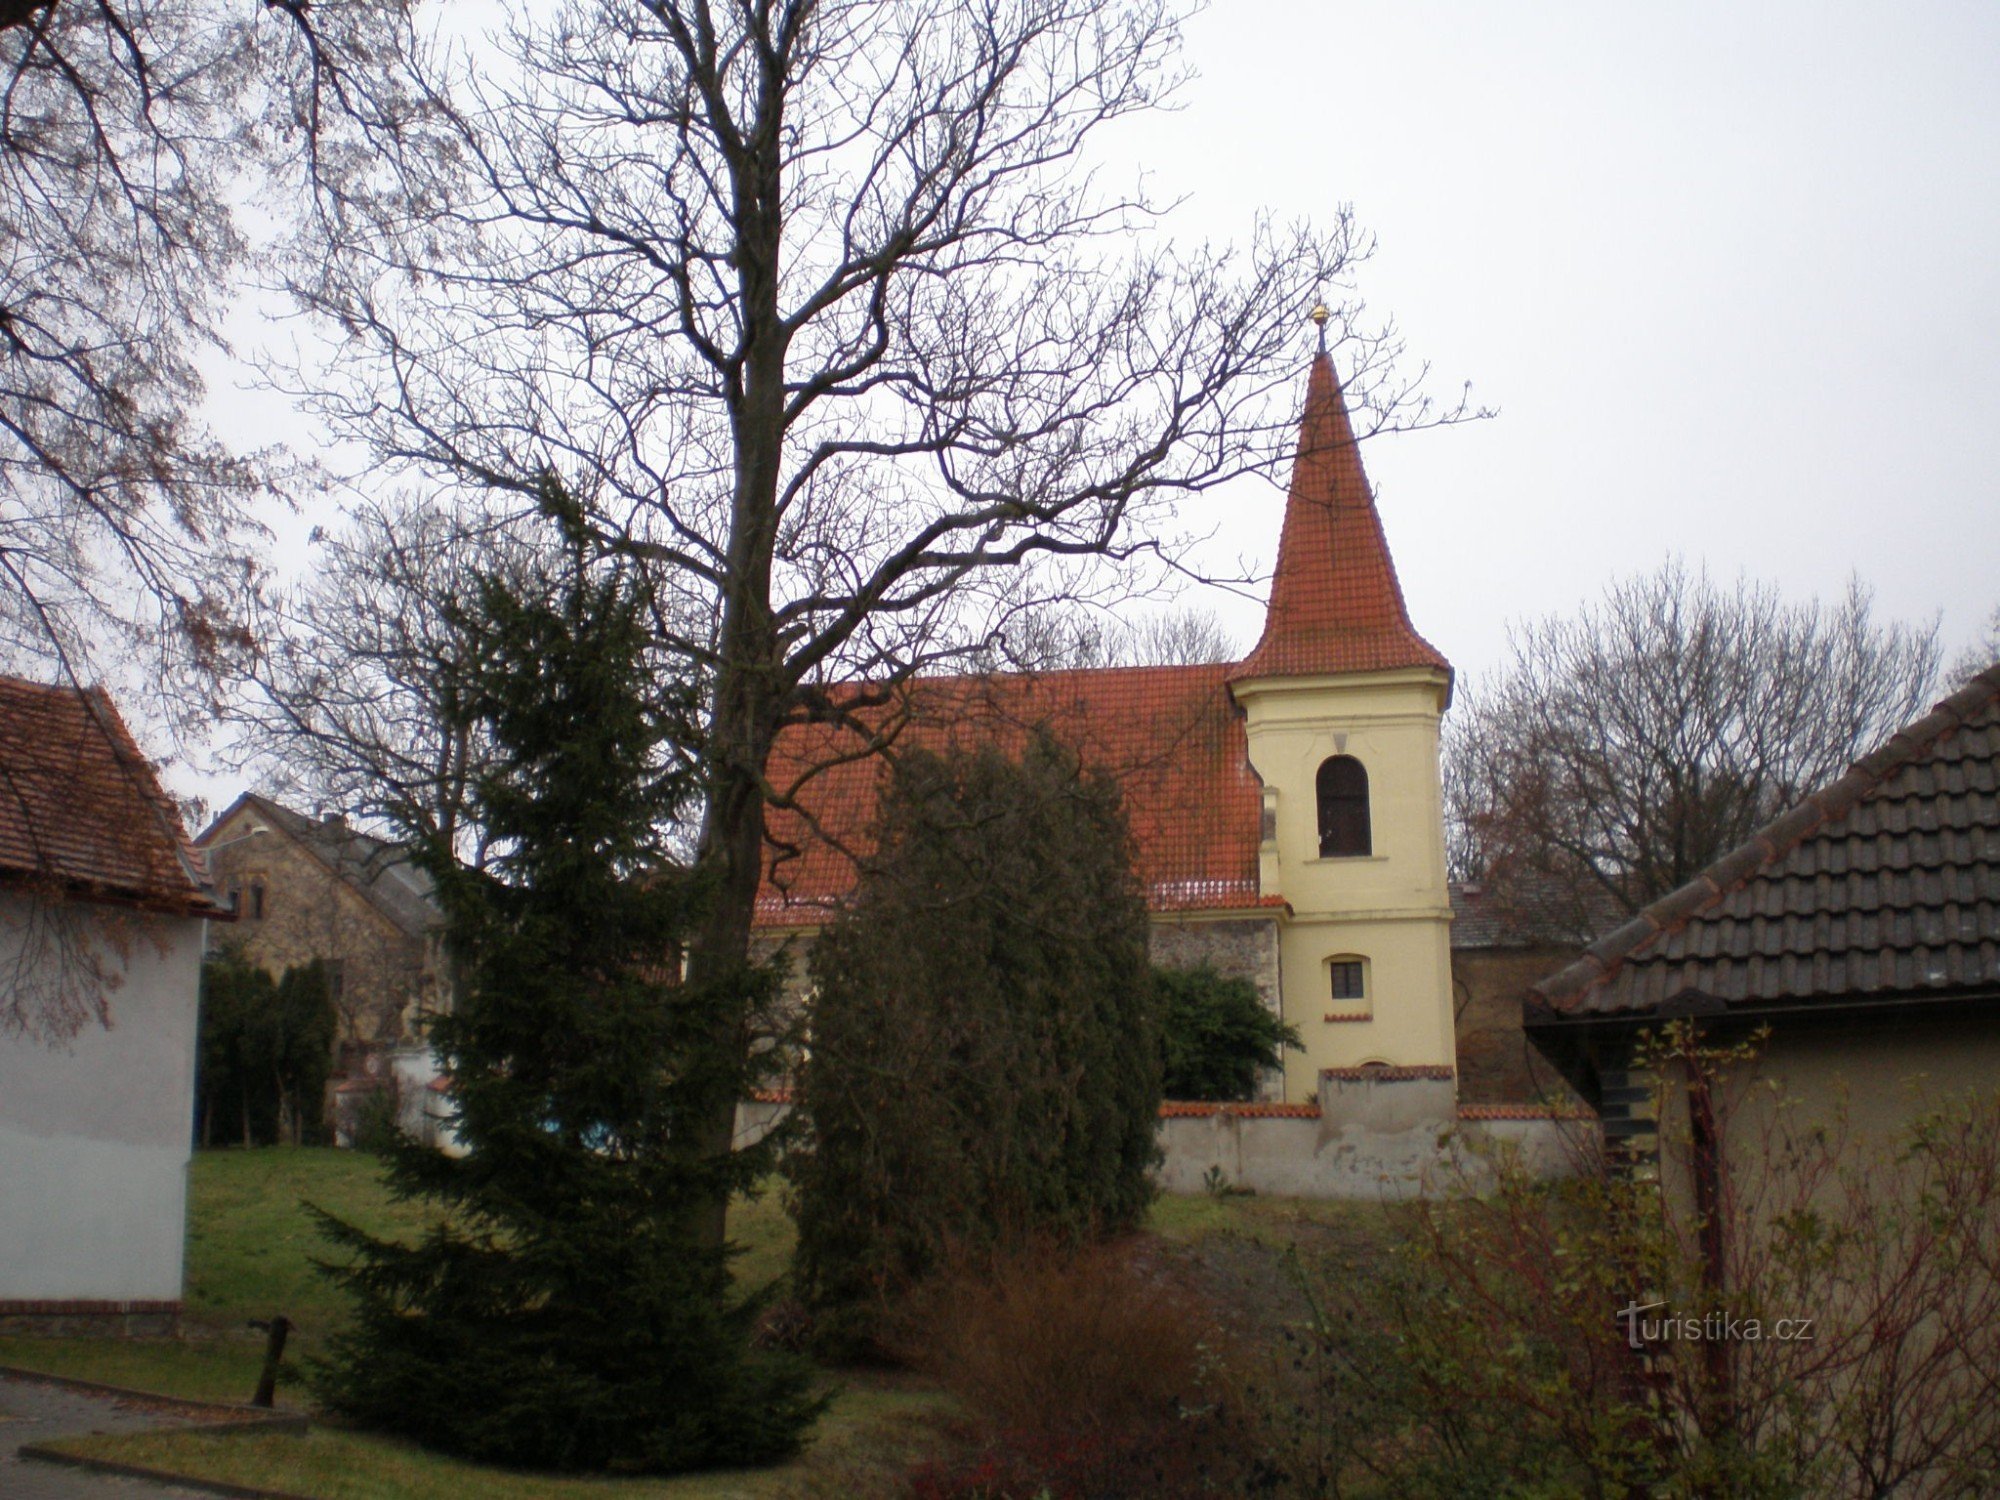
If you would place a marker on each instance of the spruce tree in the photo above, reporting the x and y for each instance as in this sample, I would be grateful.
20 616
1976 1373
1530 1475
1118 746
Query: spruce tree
985 1063
563 1314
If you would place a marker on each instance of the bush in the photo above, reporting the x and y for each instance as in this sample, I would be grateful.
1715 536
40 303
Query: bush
1216 1035
1491 1357
1086 1377
984 1065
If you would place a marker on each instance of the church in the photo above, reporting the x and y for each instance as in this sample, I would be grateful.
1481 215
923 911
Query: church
1286 809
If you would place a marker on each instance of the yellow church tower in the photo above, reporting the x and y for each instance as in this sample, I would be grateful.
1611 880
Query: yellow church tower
1343 701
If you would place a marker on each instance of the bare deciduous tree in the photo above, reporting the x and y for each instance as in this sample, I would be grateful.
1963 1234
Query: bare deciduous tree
822 306
1983 652
125 128
356 693
1058 639
1621 752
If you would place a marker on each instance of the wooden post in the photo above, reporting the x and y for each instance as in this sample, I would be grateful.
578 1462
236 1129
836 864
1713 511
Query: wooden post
274 1351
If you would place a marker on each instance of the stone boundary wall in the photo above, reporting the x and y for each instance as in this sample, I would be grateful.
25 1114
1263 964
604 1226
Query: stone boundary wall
1374 1134
1318 1157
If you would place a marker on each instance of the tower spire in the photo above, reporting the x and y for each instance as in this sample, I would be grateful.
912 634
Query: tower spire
1336 605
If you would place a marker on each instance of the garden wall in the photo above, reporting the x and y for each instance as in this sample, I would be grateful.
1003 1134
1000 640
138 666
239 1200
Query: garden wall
1375 1133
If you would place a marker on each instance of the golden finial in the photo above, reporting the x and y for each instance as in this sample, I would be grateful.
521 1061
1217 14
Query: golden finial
1320 314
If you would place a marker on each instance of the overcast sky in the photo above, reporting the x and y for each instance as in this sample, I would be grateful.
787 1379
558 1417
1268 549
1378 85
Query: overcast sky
1730 274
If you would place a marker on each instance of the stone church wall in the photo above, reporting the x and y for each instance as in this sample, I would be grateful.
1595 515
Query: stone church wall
1236 947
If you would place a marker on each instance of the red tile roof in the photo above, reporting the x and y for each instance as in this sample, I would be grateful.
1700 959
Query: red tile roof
81 807
1335 603
1177 1109
1476 1112
1384 1073
1170 735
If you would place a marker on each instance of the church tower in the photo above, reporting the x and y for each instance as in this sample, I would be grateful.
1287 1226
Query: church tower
1343 701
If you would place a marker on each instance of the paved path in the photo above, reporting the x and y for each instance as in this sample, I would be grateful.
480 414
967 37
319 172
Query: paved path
31 1412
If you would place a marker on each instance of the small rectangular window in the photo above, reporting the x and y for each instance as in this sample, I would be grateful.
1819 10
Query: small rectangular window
257 900
1347 980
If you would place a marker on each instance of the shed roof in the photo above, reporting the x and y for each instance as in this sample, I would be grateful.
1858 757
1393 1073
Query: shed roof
81 807
1884 885
1524 909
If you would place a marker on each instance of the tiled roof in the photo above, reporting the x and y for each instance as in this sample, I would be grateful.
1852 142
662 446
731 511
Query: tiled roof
1477 1112
1524 910
1884 885
1178 1109
1384 1073
380 871
1335 603
1170 735
79 805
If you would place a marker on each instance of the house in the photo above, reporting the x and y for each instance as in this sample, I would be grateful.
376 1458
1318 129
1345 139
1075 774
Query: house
1508 930
104 908
1861 927
306 888
1286 809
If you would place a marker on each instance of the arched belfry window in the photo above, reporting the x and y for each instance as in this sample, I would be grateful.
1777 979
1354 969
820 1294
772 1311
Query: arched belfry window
1343 808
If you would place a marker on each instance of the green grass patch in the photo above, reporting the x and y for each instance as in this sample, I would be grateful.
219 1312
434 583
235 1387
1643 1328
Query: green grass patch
1270 1221
251 1243
868 1437
196 1369
251 1246
759 1225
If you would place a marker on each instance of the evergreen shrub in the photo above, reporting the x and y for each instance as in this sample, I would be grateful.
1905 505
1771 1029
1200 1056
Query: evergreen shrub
984 1061
1217 1036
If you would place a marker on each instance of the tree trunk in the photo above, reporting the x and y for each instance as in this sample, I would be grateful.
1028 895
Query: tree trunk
752 684
718 956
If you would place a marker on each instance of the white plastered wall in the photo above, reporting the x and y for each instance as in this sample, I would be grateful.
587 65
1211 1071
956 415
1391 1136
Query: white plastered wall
95 1131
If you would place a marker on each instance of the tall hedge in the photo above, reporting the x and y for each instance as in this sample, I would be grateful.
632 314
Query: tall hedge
265 1049
984 1060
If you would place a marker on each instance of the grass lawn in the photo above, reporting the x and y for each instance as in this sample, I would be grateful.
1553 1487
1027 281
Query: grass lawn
870 1435
250 1251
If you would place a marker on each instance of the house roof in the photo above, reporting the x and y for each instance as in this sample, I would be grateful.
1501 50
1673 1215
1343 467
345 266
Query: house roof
1884 885
1336 605
1523 910
1170 735
381 872
81 806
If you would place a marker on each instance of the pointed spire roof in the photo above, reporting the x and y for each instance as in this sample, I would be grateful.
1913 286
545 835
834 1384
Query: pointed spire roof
1335 603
